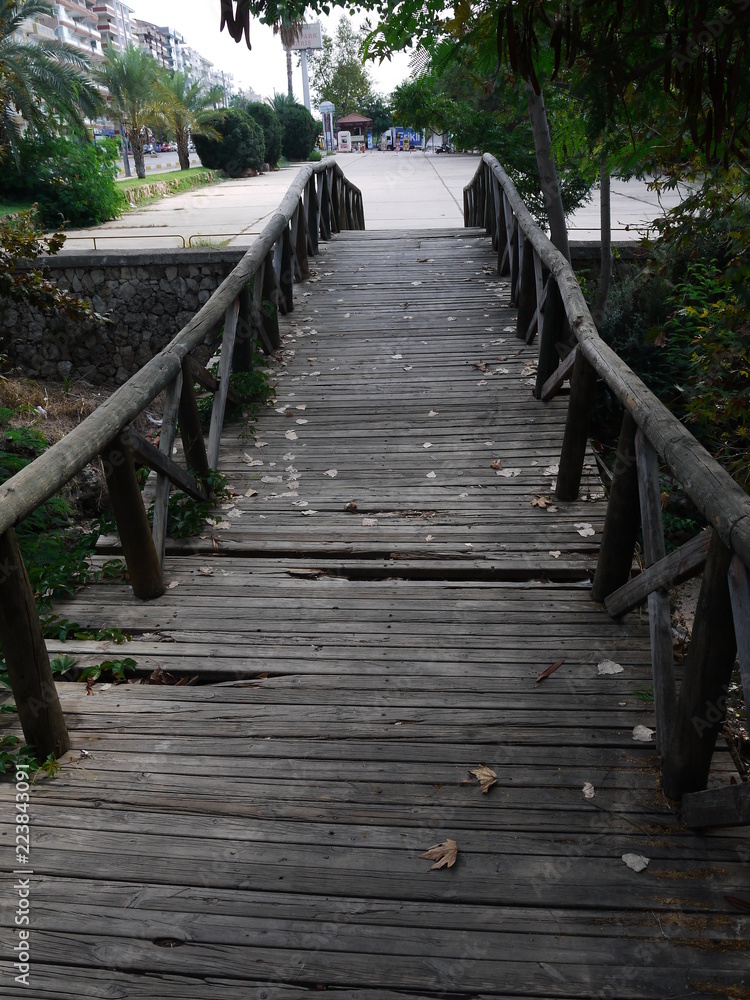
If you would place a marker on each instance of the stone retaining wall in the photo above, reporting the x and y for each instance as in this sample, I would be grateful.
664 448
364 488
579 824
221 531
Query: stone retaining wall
148 298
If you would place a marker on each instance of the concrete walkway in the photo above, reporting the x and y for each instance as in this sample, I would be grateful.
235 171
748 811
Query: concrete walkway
401 191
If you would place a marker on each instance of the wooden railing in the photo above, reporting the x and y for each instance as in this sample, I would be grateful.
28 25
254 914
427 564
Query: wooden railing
246 307
546 293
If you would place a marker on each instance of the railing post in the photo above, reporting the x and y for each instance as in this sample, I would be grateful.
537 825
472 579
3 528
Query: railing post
26 656
583 383
312 216
270 303
553 325
527 292
286 273
242 357
335 200
659 617
487 204
144 565
325 206
191 431
623 518
516 259
703 694
299 224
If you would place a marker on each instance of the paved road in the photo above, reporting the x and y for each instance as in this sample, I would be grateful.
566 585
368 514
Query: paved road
158 163
401 190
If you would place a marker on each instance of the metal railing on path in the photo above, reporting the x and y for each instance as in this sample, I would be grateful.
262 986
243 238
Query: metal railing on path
549 300
246 308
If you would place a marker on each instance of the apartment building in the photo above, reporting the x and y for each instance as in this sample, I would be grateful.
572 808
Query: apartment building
114 24
74 22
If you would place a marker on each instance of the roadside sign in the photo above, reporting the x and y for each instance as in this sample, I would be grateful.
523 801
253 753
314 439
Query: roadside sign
309 36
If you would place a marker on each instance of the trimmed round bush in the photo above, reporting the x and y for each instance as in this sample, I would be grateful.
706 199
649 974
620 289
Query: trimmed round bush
273 131
299 133
241 147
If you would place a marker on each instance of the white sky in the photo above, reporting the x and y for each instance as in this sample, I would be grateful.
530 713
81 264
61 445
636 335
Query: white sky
263 68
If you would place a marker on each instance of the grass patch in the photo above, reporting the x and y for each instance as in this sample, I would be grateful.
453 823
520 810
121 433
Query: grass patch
187 177
136 192
12 207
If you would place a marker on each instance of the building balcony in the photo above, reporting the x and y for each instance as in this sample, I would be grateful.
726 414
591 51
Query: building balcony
79 10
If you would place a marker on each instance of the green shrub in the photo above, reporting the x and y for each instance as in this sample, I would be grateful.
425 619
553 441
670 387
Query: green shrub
315 156
299 132
241 148
273 131
71 179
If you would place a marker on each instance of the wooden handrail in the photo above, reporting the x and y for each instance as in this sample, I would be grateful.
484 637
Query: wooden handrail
273 263
50 472
686 726
717 496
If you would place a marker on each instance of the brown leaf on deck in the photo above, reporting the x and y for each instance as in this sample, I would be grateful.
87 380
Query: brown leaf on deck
444 855
496 464
485 776
550 670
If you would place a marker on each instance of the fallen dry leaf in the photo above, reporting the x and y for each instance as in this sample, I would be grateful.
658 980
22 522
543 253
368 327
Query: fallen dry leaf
636 862
444 855
432 413
642 734
508 473
206 570
251 493
609 667
350 507
541 501
481 367
588 790
290 436
369 522
331 473
427 444
555 553
428 538
583 528
496 464
485 776
173 584
431 475
550 670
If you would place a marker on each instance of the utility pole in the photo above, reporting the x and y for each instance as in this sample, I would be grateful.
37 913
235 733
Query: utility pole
305 79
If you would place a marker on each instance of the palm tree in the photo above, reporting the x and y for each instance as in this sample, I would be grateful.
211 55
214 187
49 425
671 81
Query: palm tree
40 81
189 110
288 31
136 98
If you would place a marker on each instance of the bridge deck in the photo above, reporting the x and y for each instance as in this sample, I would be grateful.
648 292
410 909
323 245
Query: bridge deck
257 835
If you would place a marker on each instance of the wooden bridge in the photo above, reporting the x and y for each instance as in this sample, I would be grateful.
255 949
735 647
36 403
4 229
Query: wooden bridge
369 622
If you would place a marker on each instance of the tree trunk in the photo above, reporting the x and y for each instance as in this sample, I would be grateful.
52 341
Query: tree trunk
289 88
125 158
136 143
605 277
547 171
183 153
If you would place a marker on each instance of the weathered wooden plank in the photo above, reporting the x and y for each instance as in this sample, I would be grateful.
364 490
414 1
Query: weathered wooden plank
728 806
157 459
678 566
560 374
